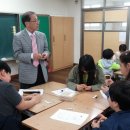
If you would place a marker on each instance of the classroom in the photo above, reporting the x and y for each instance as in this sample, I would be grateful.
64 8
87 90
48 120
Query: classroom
80 37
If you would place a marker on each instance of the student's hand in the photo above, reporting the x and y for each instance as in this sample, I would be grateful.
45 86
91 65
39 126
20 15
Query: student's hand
28 97
37 56
36 98
108 82
88 88
101 117
95 124
104 88
80 87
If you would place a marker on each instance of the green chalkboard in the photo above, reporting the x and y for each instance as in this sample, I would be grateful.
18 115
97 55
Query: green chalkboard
43 27
8 26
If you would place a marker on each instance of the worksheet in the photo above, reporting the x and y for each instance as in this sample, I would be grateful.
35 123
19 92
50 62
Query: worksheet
76 118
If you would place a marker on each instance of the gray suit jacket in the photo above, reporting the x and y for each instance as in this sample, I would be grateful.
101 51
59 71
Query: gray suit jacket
22 47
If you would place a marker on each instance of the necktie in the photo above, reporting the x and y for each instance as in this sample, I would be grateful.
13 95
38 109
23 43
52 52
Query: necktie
34 49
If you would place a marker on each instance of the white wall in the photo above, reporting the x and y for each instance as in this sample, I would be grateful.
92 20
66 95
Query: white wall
75 11
51 7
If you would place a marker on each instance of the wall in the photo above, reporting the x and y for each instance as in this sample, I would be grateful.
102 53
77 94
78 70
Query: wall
51 7
75 11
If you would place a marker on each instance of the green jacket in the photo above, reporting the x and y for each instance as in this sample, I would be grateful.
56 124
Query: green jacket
73 78
108 66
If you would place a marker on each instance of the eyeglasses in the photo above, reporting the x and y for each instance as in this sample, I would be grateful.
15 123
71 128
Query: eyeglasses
34 21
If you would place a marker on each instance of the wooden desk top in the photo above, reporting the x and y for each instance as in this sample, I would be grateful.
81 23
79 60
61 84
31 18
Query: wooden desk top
83 103
86 98
47 102
49 99
50 86
43 121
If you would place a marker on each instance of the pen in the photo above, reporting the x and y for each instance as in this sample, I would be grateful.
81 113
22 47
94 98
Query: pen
95 96
62 90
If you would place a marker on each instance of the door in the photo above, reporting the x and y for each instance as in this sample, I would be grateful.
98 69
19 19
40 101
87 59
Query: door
57 42
68 41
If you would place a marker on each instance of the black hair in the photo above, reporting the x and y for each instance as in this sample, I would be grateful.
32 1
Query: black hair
122 47
4 66
120 93
125 59
107 53
26 17
86 63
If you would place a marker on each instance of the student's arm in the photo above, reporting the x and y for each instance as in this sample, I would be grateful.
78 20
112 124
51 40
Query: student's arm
107 124
100 63
29 102
73 79
100 79
115 66
15 99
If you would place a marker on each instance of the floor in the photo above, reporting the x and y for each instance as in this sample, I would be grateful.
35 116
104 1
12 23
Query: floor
58 76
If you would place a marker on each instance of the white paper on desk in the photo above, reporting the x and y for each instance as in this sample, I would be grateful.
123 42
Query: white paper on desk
65 92
21 91
76 118
103 94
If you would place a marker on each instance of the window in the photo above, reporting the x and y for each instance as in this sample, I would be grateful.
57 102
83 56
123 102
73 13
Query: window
93 26
117 3
93 3
116 26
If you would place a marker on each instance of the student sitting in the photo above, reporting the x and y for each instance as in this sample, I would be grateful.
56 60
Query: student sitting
107 63
11 102
85 76
122 48
119 101
125 70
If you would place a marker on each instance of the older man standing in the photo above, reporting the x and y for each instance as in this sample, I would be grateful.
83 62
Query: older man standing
31 49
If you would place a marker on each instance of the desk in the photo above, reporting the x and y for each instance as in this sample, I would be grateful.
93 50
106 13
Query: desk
42 121
48 98
86 98
50 86
83 103
47 102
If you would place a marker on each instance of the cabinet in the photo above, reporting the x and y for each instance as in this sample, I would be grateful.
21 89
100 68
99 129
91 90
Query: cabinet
61 42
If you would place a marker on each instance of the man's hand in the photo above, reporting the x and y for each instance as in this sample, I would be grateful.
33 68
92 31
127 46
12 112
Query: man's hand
44 56
37 56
